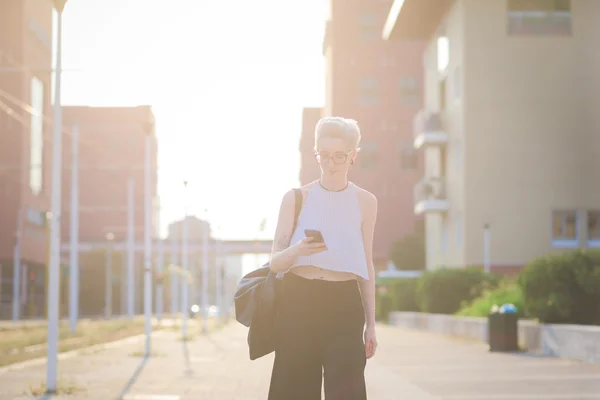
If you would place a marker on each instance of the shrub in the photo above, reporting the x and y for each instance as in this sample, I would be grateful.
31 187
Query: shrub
506 293
404 295
443 291
396 295
563 288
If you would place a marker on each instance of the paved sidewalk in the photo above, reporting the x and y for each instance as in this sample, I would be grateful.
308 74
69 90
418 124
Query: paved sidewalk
409 366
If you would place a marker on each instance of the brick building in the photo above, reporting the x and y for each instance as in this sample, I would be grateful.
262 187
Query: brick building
26 137
378 83
111 151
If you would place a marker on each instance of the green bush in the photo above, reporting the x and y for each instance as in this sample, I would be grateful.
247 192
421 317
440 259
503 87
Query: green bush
444 290
506 293
563 288
396 295
404 295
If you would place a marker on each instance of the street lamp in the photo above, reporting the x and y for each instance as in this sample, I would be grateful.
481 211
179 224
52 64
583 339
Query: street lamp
108 277
54 264
184 262
205 273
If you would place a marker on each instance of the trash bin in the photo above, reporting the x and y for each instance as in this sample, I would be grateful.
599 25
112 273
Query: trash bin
503 328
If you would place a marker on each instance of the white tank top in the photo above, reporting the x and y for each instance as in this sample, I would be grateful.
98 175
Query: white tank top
338 217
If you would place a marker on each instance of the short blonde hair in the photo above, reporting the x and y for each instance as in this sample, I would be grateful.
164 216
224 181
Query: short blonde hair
344 128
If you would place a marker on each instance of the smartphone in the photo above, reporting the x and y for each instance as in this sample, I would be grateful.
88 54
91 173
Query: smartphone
316 235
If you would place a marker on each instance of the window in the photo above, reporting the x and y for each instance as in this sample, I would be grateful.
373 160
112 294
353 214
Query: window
367 20
36 128
410 92
368 27
565 226
539 17
368 83
593 228
443 53
368 158
368 91
368 100
408 156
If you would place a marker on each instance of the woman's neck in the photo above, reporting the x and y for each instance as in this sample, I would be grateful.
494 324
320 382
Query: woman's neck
333 184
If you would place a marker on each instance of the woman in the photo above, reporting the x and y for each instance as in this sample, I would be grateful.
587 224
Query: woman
328 289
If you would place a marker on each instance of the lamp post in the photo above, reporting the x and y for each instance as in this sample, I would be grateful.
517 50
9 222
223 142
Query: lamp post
74 234
184 262
108 277
486 248
148 243
54 267
205 274
219 282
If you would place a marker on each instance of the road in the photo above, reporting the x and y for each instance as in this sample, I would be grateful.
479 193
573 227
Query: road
409 366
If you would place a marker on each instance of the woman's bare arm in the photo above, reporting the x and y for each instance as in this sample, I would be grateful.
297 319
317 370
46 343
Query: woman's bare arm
282 254
367 288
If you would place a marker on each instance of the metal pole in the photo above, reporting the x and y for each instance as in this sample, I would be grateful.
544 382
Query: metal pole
16 311
184 261
219 283
130 247
108 283
54 267
174 276
123 285
486 248
205 275
148 245
160 287
74 248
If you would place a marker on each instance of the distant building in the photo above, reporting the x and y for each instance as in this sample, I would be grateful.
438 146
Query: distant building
380 84
309 168
111 152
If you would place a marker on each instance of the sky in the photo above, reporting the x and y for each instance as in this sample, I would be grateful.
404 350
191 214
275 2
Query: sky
227 81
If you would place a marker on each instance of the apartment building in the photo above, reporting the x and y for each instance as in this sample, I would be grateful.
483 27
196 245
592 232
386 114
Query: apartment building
25 145
378 83
508 131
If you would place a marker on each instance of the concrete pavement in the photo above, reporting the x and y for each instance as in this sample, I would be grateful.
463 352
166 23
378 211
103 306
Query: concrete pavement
409 366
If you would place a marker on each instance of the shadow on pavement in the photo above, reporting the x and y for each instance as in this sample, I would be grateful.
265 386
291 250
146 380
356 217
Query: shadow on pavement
133 378
186 356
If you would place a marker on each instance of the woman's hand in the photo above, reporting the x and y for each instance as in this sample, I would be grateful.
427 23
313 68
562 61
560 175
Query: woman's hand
305 248
370 341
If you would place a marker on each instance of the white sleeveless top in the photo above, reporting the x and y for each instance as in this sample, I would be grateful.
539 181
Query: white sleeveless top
338 217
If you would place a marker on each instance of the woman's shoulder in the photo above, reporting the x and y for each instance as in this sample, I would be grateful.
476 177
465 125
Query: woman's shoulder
290 196
364 195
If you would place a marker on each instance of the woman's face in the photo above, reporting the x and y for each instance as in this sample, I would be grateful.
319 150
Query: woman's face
334 156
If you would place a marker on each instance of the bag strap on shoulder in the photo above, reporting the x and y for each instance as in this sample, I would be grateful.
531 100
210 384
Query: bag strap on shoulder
298 207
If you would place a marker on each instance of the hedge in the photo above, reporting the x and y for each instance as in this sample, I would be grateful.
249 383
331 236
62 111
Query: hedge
446 290
440 291
396 295
563 288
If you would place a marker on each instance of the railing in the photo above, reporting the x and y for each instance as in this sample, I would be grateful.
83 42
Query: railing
430 188
427 121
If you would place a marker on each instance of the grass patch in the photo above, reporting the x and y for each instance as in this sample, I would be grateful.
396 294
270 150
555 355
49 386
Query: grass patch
62 388
21 344
142 354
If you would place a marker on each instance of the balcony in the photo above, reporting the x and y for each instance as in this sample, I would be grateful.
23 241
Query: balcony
429 130
430 196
